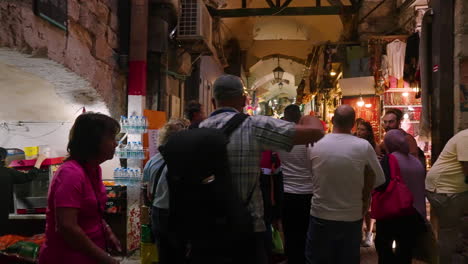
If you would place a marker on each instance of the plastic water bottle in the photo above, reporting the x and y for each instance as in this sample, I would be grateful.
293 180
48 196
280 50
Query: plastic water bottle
127 151
136 128
143 124
116 171
139 148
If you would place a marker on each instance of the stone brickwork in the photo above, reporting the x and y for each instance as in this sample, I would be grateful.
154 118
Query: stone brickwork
381 21
461 65
88 48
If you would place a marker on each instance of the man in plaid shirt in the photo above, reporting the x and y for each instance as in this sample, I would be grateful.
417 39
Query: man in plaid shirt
256 134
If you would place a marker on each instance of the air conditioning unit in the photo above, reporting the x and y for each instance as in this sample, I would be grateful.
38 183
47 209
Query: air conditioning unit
195 26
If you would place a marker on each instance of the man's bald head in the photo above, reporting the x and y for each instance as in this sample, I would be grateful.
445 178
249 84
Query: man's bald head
344 117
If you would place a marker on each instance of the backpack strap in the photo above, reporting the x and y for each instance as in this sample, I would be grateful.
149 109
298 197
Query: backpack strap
156 180
234 123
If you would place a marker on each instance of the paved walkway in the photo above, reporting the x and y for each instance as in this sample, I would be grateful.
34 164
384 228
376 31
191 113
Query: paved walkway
368 256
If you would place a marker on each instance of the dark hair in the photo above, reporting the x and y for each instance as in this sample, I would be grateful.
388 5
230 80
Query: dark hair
359 121
397 112
292 113
370 137
344 117
3 155
87 134
192 108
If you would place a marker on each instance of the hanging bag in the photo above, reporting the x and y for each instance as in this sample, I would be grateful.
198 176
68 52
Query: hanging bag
396 200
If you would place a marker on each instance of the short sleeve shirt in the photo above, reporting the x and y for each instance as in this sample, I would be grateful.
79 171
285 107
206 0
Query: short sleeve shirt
72 187
256 134
446 175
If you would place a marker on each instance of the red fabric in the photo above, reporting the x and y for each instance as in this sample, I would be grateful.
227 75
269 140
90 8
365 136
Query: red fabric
396 200
137 78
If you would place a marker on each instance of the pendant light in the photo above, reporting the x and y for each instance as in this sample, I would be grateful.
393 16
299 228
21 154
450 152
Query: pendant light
278 72
361 102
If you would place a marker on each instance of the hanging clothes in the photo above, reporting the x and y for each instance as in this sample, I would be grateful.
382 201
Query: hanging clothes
411 59
396 58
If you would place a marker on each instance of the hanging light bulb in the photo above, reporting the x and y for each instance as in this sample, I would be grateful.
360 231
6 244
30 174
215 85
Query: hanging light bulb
332 73
368 105
405 94
361 102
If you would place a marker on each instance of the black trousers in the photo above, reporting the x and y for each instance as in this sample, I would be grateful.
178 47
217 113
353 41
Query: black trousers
404 231
296 215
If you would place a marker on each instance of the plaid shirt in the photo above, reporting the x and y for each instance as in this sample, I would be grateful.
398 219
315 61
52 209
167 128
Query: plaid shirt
256 134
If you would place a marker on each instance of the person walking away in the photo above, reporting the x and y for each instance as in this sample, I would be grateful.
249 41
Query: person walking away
405 229
364 130
76 232
194 113
8 178
170 248
341 192
297 179
254 135
447 192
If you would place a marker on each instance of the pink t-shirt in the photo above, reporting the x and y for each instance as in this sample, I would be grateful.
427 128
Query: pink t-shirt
72 187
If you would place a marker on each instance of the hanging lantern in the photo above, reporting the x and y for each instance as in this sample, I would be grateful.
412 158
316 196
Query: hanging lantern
361 102
280 85
278 72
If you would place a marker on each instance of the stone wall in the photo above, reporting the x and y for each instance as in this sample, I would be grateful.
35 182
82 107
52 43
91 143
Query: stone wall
87 48
461 65
382 21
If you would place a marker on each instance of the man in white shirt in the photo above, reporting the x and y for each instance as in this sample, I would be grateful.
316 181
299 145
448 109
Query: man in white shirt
341 192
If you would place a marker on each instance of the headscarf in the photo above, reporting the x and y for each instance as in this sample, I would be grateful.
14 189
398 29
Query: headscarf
395 141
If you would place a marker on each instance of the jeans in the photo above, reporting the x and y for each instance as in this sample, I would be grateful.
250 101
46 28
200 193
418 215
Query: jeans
404 231
333 242
449 210
295 224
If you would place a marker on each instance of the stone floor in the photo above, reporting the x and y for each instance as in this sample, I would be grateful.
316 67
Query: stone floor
368 256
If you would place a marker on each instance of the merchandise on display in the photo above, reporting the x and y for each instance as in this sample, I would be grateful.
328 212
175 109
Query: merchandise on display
132 150
133 124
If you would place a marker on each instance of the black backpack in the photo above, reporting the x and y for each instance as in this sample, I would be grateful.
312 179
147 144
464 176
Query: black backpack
202 199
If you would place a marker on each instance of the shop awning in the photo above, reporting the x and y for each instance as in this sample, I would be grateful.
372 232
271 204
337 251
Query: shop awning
357 86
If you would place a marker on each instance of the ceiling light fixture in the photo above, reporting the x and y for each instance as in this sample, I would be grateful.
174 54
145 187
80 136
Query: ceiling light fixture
361 102
278 72
332 73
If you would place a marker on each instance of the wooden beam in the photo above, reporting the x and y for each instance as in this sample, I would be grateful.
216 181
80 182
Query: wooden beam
244 3
270 3
286 3
288 11
318 3
278 3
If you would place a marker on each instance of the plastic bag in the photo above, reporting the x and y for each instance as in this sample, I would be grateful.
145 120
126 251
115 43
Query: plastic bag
278 247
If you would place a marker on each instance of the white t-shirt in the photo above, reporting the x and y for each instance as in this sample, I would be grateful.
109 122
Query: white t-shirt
297 174
338 163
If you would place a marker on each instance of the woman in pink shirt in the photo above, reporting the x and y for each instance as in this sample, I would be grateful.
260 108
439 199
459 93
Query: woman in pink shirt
75 229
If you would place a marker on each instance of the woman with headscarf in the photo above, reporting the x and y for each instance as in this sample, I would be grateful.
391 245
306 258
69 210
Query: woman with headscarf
404 230
9 177
76 232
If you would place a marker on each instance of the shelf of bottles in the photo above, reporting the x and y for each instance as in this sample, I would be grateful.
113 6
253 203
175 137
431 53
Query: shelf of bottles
127 176
136 125
133 124
132 150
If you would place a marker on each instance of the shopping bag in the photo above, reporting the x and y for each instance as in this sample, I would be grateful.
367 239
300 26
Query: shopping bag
278 247
396 200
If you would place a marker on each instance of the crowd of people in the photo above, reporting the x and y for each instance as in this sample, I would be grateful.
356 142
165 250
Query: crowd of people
322 190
